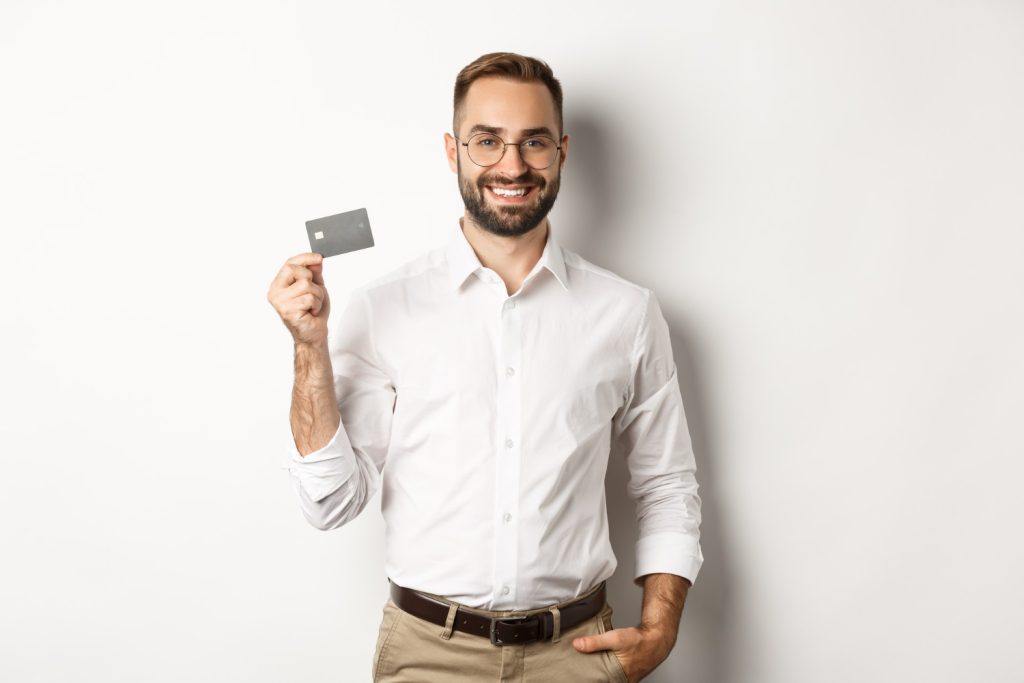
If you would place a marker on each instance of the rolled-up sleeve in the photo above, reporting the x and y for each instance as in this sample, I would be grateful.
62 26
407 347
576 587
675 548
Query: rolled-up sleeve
334 483
650 431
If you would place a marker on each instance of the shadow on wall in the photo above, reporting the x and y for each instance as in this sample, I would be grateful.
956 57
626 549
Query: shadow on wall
704 648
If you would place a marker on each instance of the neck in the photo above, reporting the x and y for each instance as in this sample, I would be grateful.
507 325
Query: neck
510 257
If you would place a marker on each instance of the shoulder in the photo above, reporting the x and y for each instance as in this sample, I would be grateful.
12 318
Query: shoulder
593 279
413 273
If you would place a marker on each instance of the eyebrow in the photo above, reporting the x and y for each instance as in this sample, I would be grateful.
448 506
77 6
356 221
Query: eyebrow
481 128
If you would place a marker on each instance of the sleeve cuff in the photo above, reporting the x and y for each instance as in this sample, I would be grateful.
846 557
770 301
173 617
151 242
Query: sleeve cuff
325 470
668 553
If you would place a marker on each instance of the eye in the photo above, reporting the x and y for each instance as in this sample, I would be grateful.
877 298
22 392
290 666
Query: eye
535 143
484 141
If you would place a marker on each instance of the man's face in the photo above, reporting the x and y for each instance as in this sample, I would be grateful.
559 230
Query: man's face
509 109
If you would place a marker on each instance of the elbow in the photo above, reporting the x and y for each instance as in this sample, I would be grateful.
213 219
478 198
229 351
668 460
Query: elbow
336 519
325 524
336 510
327 511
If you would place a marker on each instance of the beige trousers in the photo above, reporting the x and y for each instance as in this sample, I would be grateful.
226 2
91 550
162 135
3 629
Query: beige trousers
413 650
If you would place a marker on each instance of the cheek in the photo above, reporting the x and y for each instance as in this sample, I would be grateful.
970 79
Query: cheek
546 184
467 181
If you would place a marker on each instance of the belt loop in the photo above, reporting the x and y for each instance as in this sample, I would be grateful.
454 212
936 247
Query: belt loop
557 632
449 623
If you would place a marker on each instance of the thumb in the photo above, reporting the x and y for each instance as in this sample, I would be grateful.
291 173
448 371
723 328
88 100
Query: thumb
592 643
318 272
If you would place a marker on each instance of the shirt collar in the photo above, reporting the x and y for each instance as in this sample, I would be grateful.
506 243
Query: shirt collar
463 261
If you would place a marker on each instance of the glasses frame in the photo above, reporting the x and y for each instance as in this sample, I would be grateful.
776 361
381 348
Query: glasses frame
558 148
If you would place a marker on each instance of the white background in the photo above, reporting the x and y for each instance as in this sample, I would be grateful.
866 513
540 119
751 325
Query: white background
826 198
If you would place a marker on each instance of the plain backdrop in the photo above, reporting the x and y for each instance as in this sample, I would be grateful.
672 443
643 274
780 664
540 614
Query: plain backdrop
826 197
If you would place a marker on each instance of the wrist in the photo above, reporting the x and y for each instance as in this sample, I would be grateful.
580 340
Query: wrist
317 346
664 634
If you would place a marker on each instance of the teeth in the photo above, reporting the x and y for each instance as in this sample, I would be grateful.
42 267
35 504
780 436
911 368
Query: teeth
509 193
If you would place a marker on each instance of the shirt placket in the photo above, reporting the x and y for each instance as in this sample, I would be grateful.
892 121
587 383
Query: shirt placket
509 450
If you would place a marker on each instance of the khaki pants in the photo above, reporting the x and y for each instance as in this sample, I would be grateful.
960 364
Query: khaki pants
413 650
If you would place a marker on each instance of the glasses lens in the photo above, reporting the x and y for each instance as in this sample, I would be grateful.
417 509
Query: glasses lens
485 149
538 152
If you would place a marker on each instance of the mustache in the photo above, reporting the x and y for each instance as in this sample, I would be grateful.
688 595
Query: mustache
527 178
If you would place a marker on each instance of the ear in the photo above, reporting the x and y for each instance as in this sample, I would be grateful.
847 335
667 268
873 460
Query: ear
451 150
563 152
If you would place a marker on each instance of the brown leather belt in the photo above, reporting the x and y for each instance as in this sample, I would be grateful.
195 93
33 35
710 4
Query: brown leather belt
500 630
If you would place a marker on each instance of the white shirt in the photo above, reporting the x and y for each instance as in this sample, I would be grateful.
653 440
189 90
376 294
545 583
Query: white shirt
487 420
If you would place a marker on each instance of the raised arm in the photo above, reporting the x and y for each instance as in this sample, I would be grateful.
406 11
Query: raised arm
342 399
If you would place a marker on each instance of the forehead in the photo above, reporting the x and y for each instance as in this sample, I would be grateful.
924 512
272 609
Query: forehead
508 104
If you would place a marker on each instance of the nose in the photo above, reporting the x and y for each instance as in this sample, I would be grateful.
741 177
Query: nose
512 162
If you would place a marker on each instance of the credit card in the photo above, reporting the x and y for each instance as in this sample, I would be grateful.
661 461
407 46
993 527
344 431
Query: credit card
340 233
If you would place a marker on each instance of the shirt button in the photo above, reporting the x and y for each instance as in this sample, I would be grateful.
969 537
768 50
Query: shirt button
511 304
510 371
507 516
504 590
508 443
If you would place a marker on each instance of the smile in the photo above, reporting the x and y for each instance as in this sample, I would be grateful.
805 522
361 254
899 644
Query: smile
511 195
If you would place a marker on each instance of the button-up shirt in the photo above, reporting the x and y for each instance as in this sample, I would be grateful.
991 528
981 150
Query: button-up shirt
487 421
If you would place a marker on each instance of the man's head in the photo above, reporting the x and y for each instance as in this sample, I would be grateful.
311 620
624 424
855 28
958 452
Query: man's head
518 100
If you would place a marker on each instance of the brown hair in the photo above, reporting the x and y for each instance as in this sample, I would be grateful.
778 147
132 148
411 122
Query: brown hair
506 65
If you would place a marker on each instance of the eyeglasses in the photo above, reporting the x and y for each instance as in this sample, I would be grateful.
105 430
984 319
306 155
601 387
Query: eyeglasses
486 149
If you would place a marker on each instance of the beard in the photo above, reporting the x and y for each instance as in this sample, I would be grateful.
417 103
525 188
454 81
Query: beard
510 220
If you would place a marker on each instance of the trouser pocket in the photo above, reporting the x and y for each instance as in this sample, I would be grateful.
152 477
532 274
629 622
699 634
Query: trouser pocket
389 619
604 623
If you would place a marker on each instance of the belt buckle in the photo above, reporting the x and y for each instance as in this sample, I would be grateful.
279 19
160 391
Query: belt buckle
509 620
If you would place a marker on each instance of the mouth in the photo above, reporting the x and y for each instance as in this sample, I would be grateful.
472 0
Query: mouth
511 194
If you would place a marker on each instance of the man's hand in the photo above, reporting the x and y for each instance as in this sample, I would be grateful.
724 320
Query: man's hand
299 296
639 650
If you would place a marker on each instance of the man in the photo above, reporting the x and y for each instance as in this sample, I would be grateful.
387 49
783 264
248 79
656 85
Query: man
482 387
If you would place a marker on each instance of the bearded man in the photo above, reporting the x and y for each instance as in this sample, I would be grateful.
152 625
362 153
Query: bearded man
482 388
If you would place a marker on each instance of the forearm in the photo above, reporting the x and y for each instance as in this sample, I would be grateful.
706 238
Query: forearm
664 596
314 413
